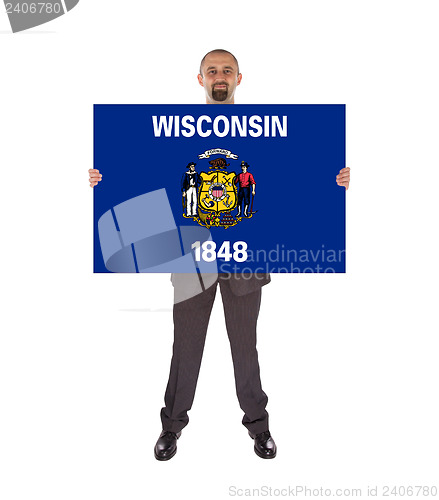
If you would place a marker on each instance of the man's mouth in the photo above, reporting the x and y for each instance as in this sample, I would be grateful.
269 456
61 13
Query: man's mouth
220 86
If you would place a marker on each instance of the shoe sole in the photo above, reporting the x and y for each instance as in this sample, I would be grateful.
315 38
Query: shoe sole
259 454
163 459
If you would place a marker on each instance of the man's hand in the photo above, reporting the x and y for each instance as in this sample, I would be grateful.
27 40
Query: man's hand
184 194
95 177
344 177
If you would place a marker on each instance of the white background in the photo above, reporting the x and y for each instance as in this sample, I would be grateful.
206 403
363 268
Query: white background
349 362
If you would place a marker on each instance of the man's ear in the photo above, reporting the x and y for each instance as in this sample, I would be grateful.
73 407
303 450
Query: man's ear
239 79
200 80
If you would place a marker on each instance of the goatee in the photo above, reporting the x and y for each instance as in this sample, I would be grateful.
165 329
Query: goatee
220 94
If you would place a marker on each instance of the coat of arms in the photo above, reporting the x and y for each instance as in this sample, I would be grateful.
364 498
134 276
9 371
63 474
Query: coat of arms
218 198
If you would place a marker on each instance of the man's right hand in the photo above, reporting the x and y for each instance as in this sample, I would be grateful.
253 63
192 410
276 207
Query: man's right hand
95 177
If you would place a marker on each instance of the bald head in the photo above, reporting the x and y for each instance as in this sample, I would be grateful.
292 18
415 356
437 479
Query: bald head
219 75
221 52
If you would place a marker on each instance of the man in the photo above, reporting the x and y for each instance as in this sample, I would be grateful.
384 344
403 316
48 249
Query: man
189 184
219 76
244 180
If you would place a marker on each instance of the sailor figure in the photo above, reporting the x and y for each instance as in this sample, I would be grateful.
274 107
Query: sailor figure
189 185
244 180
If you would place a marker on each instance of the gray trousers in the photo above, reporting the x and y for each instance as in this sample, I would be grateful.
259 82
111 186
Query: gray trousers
191 319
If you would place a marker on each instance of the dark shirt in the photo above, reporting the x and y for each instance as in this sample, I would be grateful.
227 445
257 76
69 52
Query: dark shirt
187 178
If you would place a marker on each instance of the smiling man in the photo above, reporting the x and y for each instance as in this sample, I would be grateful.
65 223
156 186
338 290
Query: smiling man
219 75
241 295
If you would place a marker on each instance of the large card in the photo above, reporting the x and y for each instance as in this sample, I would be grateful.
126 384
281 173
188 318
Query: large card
219 188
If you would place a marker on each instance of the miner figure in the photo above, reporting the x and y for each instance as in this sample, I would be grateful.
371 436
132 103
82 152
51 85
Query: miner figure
244 180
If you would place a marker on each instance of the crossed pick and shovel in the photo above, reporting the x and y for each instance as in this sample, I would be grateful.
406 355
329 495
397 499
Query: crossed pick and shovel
25 14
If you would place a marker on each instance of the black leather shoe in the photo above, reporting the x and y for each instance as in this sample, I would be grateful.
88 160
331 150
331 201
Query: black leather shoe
265 447
166 446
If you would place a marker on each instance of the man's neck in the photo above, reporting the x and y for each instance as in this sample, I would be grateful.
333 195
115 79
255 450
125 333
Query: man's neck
232 101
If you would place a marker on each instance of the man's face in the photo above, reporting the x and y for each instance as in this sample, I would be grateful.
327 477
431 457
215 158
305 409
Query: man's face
219 78
244 169
192 168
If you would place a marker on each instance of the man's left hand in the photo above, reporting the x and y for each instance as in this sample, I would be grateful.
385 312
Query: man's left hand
344 177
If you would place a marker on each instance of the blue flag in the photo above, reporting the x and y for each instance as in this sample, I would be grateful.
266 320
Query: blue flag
242 188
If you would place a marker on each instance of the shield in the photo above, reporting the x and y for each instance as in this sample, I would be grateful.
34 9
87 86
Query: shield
217 192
